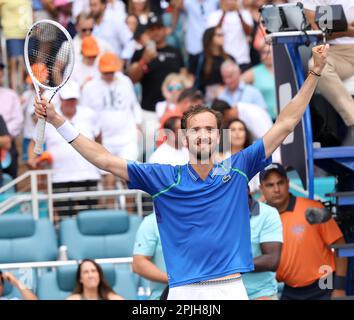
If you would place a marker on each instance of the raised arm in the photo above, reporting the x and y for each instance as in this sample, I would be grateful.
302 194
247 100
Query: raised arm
90 150
290 116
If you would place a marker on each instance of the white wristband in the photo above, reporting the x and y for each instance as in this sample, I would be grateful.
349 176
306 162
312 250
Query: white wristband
68 132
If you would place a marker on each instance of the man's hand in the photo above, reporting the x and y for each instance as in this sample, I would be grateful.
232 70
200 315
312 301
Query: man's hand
44 109
149 55
9 277
319 54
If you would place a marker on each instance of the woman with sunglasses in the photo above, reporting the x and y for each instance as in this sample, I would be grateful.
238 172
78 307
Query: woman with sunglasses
209 77
171 88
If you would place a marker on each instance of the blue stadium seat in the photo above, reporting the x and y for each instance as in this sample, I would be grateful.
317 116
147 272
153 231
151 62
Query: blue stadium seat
99 234
59 284
23 239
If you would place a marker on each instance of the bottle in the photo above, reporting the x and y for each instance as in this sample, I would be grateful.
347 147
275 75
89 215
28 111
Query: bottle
63 253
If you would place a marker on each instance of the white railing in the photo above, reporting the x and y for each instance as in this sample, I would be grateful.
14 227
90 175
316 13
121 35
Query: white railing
35 197
59 263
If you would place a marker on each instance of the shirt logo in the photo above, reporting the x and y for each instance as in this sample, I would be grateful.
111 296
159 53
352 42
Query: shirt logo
226 178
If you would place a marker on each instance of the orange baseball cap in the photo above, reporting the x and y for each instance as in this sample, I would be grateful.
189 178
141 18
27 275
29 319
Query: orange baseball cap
40 71
89 47
109 62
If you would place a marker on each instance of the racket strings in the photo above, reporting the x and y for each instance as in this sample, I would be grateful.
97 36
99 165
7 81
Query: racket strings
50 54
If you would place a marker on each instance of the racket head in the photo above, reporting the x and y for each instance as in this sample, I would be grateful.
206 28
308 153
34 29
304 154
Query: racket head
49 55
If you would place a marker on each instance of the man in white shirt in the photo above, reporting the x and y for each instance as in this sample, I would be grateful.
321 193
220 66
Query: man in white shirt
340 64
71 171
86 68
197 13
110 27
84 27
171 151
111 95
236 24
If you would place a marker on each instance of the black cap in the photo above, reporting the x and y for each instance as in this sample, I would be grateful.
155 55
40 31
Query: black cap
2 65
154 20
277 167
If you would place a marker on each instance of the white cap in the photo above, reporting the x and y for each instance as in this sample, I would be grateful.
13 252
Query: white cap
70 90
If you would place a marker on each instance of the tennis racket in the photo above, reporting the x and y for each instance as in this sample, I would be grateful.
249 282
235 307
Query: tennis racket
49 45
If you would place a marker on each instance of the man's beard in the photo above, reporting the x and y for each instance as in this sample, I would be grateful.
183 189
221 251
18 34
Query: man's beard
203 156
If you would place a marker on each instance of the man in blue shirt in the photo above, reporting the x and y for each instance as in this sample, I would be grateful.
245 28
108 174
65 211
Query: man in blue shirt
201 207
266 241
148 259
236 90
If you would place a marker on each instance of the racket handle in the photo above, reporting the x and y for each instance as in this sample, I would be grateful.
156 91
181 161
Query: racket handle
40 128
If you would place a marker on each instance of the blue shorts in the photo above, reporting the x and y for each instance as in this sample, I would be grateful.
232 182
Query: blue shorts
14 47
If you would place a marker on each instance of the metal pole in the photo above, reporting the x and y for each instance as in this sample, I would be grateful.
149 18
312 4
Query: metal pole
34 196
50 196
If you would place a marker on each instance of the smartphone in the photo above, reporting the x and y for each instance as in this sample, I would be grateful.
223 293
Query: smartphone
151 46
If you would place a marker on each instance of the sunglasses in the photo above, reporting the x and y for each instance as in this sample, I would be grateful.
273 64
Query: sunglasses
175 87
87 30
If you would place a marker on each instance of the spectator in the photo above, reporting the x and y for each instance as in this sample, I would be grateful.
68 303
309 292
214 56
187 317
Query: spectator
237 25
197 13
262 78
236 90
214 55
189 97
257 120
306 247
71 171
13 116
16 18
171 88
340 65
237 136
91 283
172 150
5 144
150 66
84 28
65 15
141 9
86 68
111 96
266 240
26 293
148 261
108 27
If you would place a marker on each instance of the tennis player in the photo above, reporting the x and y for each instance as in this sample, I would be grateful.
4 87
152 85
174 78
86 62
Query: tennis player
201 207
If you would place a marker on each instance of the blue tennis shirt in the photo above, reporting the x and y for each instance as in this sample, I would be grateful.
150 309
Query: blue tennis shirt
204 225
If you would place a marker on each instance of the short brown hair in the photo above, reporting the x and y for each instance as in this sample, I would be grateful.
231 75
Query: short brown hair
200 109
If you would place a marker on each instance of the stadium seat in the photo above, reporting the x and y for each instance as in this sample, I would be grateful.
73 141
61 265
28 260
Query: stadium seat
23 239
99 234
59 284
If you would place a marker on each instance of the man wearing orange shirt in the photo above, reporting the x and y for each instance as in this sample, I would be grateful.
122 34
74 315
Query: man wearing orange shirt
306 248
